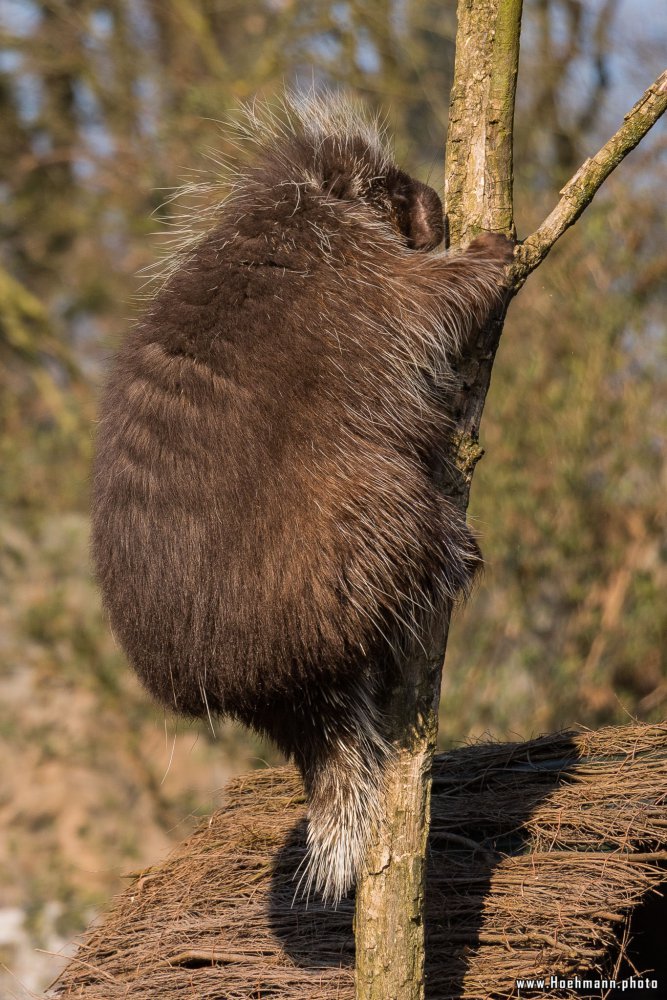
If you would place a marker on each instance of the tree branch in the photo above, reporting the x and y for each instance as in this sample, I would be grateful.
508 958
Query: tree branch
582 187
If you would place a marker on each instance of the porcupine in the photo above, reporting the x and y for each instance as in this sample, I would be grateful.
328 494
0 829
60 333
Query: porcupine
268 531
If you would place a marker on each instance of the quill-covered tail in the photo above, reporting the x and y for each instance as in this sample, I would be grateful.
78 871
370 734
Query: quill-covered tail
343 772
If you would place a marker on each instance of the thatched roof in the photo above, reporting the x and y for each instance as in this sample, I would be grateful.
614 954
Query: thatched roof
540 852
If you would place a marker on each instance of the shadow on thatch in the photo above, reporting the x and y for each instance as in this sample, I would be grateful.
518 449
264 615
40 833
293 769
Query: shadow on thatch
314 936
540 853
483 799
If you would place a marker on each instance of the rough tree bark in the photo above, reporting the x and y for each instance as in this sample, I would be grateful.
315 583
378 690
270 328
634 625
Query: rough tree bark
389 923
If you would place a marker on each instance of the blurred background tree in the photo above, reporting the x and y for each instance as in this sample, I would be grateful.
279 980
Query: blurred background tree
104 107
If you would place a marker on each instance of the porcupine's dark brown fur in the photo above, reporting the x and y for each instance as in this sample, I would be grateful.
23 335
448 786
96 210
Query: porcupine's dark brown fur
266 527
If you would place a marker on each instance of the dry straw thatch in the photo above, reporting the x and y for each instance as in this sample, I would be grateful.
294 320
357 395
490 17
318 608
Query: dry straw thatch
540 853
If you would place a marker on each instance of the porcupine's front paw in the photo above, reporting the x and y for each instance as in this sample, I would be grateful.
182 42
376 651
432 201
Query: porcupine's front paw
497 246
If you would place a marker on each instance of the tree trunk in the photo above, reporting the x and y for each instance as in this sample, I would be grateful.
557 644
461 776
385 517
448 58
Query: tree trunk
390 896
389 922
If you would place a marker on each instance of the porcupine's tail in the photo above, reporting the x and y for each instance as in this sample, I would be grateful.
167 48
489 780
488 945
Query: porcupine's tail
343 767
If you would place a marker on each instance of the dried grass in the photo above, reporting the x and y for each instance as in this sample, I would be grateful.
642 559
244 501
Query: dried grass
540 851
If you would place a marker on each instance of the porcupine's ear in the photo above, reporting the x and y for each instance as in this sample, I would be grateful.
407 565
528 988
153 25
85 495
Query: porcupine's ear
417 210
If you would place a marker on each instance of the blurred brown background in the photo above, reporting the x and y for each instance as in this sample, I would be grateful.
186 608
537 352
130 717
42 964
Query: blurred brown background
105 105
